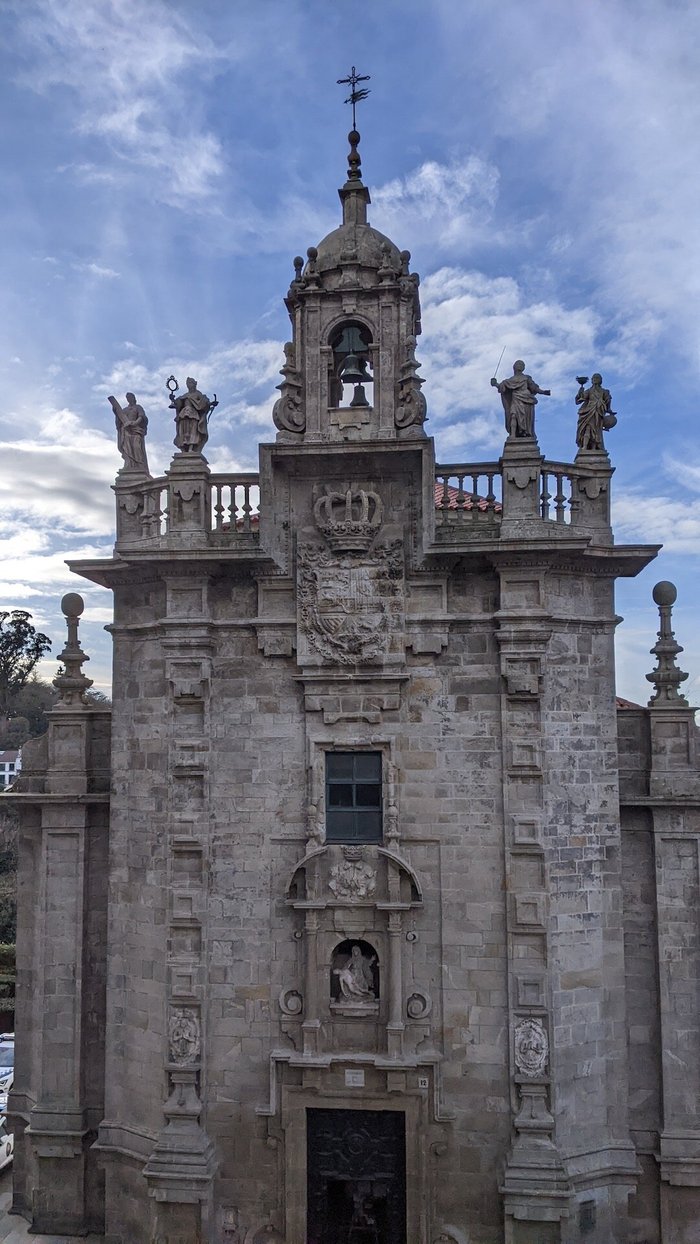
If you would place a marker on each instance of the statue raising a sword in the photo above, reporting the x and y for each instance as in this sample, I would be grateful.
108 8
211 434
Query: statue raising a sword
519 401
192 410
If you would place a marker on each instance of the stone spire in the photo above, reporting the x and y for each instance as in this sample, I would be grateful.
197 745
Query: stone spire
354 196
70 681
667 677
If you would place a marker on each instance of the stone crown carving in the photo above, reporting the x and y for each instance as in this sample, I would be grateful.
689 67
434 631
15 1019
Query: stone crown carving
349 520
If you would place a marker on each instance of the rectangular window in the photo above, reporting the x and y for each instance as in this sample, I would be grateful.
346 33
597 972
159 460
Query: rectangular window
354 796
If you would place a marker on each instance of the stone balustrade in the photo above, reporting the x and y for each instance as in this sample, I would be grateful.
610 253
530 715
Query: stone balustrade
147 510
475 496
472 500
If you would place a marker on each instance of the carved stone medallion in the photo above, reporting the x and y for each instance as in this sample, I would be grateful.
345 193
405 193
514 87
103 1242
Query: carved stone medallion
531 1047
184 1041
353 877
351 606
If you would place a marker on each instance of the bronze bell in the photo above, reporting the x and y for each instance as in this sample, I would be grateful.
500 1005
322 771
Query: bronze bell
353 370
359 397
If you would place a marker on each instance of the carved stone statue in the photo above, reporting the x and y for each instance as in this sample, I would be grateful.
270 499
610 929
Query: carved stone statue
183 1036
355 977
519 401
132 425
412 407
191 418
594 413
531 1047
287 412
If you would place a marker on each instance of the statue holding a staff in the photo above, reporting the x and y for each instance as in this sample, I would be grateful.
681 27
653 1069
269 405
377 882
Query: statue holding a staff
192 411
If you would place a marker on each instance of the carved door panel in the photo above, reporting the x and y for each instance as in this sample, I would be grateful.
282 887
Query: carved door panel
356 1177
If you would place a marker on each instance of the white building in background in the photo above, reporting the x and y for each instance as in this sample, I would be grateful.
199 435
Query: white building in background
10 765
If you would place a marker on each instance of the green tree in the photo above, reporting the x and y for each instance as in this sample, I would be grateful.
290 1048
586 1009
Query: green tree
21 647
27 714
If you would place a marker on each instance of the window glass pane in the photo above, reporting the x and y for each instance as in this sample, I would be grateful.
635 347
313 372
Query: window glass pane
369 826
340 794
368 766
340 826
339 764
368 795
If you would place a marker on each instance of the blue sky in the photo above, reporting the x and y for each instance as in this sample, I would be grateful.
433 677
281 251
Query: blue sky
164 160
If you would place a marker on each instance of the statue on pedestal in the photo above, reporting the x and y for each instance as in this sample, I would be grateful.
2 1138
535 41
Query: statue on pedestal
192 410
132 425
594 414
519 401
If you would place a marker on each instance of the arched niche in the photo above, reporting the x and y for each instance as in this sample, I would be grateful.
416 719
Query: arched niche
355 976
350 338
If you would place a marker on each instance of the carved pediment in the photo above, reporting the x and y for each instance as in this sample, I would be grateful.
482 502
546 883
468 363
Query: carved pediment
347 875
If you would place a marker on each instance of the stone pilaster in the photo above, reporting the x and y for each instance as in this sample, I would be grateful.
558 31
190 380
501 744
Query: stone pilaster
61 1092
535 1185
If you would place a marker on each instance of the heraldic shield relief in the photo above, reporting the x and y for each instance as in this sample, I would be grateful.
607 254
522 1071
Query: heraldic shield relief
351 607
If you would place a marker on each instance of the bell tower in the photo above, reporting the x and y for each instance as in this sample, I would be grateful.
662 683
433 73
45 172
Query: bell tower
350 371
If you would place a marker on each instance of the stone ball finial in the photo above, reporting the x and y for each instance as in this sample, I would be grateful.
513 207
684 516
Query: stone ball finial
312 253
664 593
354 137
72 605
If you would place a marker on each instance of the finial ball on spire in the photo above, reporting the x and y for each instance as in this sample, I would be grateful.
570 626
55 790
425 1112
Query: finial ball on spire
72 605
664 593
354 137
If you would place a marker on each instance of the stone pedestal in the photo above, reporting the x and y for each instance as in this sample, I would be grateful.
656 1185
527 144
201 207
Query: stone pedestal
188 498
180 1170
590 503
521 468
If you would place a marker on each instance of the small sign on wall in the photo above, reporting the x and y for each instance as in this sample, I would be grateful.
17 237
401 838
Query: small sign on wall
354 1078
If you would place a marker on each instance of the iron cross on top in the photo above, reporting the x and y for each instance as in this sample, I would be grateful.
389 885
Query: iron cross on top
355 96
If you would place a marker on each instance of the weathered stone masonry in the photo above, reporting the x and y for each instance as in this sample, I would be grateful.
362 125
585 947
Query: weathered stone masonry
478 1021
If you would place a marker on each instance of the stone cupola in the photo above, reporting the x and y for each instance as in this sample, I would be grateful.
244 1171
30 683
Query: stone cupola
350 372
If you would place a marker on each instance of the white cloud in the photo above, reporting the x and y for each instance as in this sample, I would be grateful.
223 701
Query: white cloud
469 317
135 66
648 517
446 204
96 269
598 101
54 492
243 375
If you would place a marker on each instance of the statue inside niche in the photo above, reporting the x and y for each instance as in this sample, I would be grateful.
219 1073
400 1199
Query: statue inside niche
355 976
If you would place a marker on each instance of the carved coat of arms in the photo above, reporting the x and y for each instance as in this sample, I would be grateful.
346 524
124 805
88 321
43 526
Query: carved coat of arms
353 877
351 606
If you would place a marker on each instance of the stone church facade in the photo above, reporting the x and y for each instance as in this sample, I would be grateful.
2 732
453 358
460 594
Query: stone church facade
366 915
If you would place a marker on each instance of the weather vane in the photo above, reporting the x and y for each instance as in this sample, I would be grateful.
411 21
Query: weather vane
355 96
